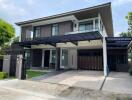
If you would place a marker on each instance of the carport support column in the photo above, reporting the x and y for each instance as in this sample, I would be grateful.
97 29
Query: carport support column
57 67
105 57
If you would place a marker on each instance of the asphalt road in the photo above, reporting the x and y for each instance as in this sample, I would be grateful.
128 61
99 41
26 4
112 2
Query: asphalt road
29 90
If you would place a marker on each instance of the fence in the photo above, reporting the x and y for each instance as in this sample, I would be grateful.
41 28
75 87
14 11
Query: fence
1 64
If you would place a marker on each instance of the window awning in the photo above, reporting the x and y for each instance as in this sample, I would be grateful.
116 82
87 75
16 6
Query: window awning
94 35
113 42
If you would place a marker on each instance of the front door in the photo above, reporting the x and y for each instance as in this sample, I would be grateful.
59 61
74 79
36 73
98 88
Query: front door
46 58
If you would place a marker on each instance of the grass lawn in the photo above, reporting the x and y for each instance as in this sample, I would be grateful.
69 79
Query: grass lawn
31 73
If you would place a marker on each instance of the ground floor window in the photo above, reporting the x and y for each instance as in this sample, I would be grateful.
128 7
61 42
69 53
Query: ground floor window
53 56
64 57
27 58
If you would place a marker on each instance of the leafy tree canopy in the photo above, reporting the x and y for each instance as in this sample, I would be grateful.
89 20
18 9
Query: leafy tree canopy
16 39
126 34
129 20
7 32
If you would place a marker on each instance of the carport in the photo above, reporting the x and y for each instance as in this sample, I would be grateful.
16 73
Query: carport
74 38
117 52
95 60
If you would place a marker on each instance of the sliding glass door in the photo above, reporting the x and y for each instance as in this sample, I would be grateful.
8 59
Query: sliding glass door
64 58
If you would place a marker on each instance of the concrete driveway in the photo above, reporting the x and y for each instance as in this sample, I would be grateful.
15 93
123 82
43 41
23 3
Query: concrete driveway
84 79
118 82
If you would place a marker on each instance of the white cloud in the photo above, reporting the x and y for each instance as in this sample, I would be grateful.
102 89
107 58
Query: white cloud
117 34
30 2
120 2
91 1
10 8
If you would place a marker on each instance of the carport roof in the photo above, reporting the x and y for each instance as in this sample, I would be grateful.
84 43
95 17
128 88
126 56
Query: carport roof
113 42
62 39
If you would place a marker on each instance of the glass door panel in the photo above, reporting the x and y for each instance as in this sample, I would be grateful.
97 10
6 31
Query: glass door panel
64 57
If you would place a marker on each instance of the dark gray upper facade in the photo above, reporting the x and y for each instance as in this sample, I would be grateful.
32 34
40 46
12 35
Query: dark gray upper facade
46 30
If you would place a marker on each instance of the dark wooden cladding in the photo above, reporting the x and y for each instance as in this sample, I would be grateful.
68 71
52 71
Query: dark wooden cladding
65 27
90 59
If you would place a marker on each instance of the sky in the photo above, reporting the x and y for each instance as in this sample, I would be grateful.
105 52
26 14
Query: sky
20 10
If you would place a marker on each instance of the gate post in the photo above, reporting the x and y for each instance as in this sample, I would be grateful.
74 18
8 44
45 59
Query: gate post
57 67
6 64
20 67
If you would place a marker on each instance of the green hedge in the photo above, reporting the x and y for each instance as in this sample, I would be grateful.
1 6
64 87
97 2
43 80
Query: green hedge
3 75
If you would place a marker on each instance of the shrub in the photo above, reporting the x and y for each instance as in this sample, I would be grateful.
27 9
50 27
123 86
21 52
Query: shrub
130 71
3 75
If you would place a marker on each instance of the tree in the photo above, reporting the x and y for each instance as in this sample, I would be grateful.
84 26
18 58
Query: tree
126 34
129 33
7 32
3 49
129 20
16 39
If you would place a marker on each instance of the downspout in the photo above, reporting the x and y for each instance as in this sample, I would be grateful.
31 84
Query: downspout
106 71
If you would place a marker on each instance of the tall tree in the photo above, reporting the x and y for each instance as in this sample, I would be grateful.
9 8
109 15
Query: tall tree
129 20
126 34
129 32
7 32
16 39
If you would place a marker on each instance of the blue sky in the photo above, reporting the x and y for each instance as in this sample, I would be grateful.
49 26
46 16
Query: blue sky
20 10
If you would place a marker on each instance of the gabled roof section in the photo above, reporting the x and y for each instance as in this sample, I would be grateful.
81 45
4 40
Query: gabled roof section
104 10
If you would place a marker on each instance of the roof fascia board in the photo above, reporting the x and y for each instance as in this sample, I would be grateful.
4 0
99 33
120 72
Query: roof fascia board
51 21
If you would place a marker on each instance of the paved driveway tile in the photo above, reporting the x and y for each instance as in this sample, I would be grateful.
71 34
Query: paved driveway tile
119 83
84 79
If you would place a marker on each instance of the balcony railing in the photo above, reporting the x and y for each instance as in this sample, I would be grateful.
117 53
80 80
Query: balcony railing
74 32
85 31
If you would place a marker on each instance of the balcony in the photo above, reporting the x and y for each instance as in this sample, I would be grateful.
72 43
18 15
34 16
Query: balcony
85 31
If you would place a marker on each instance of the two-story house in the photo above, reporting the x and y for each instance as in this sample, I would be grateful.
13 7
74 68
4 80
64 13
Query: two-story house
81 39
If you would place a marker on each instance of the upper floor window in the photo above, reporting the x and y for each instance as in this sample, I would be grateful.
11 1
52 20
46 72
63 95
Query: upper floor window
96 24
37 31
29 34
55 29
86 25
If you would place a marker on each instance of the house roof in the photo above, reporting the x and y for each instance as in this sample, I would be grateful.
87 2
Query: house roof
104 10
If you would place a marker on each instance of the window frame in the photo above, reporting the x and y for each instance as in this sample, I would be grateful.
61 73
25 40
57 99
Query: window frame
55 31
37 29
85 24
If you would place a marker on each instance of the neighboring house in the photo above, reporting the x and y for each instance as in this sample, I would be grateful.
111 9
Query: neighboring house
81 39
